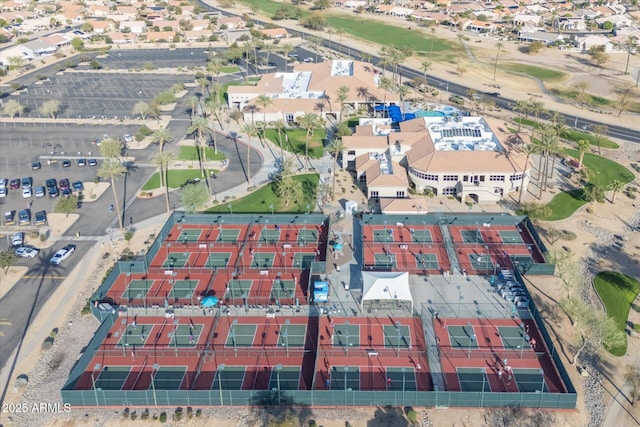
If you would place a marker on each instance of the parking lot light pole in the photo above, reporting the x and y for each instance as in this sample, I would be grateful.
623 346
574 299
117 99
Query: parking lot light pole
220 369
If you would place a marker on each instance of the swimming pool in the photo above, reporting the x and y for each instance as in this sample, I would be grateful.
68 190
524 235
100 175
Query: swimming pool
442 111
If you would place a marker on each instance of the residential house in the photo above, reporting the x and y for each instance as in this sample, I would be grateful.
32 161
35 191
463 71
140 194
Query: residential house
481 27
586 43
275 33
135 27
531 34
98 10
200 24
101 27
231 22
118 37
618 21
570 23
521 20
197 35
22 51
161 36
57 40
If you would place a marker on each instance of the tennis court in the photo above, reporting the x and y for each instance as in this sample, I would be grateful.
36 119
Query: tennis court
137 289
292 335
345 377
383 236
303 261
134 335
183 289
480 262
112 378
471 236
473 379
401 379
168 377
284 378
307 236
228 236
513 338
346 335
176 259
522 259
240 336
530 380
238 288
510 236
427 261
270 235
462 337
218 259
421 236
263 259
397 336
283 289
229 378
385 260
189 236
185 336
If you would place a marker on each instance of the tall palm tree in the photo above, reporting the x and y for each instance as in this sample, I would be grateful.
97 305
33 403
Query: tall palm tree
343 95
529 150
193 103
263 101
425 66
583 147
402 91
547 144
335 148
308 121
251 131
552 147
522 107
536 108
112 168
161 136
385 84
164 160
200 125
279 125
214 66
286 49
615 186
495 63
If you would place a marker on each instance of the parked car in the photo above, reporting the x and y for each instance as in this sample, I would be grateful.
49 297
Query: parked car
51 182
93 162
308 59
17 239
40 191
40 217
3 192
3 182
127 138
64 183
78 186
9 217
66 192
27 252
53 192
27 182
456 100
24 217
82 162
26 192
14 184
66 163
63 254
36 165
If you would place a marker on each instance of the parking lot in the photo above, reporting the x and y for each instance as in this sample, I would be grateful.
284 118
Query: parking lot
137 58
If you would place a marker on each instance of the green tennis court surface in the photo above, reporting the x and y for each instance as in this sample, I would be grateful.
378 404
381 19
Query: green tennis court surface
283 289
292 335
269 235
229 378
189 236
137 289
462 337
218 259
176 259
112 377
513 338
303 261
508 236
530 380
522 259
383 236
346 335
168 377
262 259
228 236
345 377
480 262
427 261
185 336
421 236
471 236
183 288
134 336
387 261
473 379
289 378
397 336
241 336
401 380
237 288
307 236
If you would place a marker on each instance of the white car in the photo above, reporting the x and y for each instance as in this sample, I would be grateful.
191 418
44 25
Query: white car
27 252
62 254
3 192
26 192
127 138
17 239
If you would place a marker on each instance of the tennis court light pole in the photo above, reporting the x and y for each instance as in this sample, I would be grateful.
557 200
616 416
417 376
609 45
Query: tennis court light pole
541 386
483 382
522 329
346 328
486 265
346 371
398 324
232 335
220 369
404 372
155 368
278 369
123 335
472 338
96 367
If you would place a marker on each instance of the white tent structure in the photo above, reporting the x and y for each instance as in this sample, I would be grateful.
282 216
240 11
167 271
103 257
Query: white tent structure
385 286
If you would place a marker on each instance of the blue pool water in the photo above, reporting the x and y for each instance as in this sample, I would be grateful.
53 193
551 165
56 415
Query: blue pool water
429 113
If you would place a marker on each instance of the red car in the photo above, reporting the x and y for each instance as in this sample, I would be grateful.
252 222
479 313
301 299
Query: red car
64 183
14 184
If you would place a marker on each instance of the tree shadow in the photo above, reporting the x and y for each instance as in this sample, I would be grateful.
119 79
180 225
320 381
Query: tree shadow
518 416
270 407
388 416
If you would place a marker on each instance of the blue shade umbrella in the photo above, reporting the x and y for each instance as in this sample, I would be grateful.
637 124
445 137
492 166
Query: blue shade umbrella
209 301
337 247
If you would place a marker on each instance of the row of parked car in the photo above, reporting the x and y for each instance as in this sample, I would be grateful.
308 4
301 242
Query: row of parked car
52 187
24 217
27 251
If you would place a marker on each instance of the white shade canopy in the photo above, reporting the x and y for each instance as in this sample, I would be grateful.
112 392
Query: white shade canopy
384 285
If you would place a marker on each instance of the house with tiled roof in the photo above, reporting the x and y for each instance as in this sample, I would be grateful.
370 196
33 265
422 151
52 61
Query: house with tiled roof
98 10
161 36
274 33
100 26
118 37
135 27
232 22
197 35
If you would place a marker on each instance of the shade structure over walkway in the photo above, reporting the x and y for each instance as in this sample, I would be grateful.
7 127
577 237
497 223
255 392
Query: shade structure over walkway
385 286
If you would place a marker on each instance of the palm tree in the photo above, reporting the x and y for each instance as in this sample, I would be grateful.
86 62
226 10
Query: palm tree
200 125
402 91
161 136
263 101
385 84
495 63
433 36
343 95
335 148
286 49
214 65
600 131
615 186
425 66
164 160
308 121
112 168
279 125
251 131
583 147
529 150
536 107
522 107
193 103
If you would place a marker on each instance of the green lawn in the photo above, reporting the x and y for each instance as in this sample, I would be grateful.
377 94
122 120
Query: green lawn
259 201
564 204
230 69
597 101
270 7
191 152
297 141
617 292
177 177
601 170
574 135
225 87
544 74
